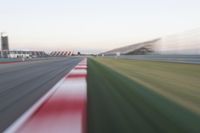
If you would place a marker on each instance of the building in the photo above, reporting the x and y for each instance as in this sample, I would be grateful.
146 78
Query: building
4 45
23 54
4 42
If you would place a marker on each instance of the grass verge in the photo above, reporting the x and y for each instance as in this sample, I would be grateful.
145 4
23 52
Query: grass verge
120 103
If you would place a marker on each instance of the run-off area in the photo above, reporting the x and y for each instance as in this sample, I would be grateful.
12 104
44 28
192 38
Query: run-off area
142 96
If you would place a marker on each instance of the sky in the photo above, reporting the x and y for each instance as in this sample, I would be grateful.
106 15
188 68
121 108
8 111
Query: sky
93 25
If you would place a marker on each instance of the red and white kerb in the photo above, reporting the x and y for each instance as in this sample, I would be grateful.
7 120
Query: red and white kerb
61 110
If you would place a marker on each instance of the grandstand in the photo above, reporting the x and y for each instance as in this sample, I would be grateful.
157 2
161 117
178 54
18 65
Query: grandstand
185 43
139 48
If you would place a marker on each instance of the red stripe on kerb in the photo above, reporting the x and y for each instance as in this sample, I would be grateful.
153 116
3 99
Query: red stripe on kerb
77 76
59 105
56 114
84 119
9 62
82 64
81 67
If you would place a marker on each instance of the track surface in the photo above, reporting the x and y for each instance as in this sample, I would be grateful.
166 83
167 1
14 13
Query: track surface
22 84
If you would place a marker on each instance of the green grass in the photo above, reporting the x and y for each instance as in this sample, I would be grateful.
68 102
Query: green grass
133 97
8 60
178 82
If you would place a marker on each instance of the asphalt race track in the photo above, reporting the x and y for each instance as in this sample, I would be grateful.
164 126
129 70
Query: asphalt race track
22 84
